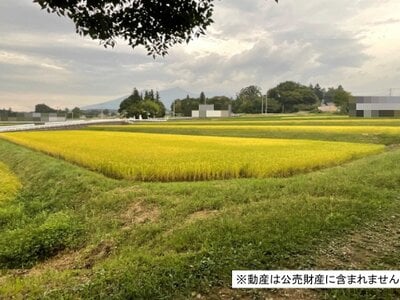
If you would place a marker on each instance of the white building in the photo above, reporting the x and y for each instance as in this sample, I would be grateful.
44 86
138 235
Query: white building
207 111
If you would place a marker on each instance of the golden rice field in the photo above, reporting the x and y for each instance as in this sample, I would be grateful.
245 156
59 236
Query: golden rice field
165 157
9 184
372 130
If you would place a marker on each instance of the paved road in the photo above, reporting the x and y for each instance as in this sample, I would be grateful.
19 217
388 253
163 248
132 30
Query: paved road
61 125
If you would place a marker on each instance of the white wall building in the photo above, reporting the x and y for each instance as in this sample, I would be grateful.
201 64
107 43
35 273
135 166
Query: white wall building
207 111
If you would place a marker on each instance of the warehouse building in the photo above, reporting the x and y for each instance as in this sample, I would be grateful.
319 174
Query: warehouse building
374 106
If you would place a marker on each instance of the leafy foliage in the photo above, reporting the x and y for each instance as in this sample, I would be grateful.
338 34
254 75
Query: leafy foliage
24 247
248 100
137 105
184 107
341 98
157 25
293 97
318 91
76 113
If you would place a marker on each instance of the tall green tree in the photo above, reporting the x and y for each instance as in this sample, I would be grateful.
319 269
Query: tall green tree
76 113
318 91
220 102
248 100
184 107
273 106
176 107
203 98
145 105
150 108
341 99
330 94
293 96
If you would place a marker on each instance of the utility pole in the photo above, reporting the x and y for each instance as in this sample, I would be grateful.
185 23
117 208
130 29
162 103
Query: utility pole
391 91
262 104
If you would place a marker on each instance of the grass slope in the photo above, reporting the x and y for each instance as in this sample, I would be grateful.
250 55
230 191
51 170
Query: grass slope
102 238
9 184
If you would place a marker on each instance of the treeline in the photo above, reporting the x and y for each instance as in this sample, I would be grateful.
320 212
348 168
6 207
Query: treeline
5 112
339 96
286 97
74 113
185 106
145 105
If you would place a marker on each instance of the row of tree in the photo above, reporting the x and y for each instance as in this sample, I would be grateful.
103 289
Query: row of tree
75 113
286 97
339 96
184 107
145 105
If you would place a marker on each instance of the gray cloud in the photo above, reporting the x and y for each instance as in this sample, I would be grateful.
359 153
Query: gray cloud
252 42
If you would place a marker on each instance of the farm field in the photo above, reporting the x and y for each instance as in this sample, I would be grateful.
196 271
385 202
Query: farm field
273 121
156 157
68 231
356 133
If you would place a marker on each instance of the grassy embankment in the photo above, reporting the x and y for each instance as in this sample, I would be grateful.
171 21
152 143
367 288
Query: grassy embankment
9 184
76 233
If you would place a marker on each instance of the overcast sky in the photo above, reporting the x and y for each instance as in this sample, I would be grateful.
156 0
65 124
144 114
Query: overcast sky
353 43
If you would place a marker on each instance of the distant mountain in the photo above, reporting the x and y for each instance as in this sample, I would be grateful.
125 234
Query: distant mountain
112 104
167 97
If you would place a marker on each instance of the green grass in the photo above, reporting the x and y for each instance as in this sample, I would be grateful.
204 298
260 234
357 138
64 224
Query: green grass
69 233
9 184
167 240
